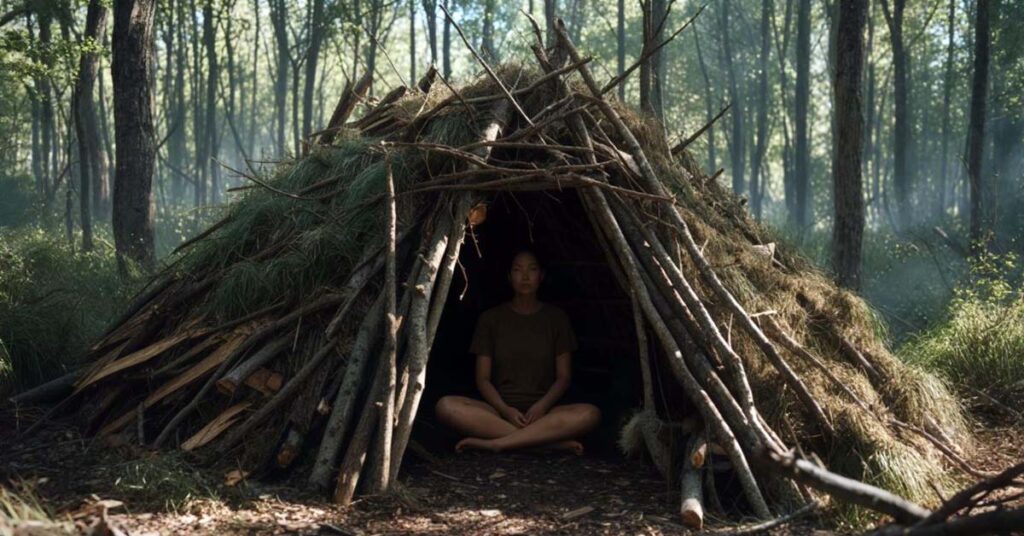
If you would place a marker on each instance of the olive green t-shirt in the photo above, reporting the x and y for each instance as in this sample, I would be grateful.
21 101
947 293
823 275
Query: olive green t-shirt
523 350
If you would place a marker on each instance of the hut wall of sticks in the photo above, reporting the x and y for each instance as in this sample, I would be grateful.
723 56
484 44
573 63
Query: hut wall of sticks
296 332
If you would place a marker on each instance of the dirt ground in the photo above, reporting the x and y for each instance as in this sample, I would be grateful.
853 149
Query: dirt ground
83 483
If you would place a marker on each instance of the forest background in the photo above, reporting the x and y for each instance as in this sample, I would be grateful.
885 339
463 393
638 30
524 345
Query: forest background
238 85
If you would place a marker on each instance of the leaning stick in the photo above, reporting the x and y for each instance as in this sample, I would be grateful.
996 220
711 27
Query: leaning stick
355 456
380 478
845 489
645 358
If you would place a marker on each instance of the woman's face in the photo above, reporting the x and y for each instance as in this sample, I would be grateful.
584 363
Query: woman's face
525 274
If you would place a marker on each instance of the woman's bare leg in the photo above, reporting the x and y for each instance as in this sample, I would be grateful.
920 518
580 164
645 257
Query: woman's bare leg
473 418
561 424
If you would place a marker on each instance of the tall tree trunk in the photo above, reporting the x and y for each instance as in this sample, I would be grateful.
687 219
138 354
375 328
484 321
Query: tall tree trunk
207 173
620 52
102 202
847 142
253 82
976 129
316 37
903 173
487 40
412 41
709 110
86 123
430 10
947 84
446 45
802 157
44 94
133 130
659 60
550 14
757 158
782 47
737 150
869 108
278 18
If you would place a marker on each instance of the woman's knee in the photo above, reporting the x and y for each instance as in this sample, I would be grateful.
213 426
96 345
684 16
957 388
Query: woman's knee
446 408
590 415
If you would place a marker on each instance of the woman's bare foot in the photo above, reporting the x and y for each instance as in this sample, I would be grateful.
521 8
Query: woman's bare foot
569 445
475 443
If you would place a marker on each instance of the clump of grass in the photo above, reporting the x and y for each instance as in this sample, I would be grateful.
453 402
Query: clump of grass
980 344
166 481
21 512
53 303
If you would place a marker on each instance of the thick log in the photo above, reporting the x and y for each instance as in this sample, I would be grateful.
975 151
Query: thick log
350 97
47 392
692 507
247 368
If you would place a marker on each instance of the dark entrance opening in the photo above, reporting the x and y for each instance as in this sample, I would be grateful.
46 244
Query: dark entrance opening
578 279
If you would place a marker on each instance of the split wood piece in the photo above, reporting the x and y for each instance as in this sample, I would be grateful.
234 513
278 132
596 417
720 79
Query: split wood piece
350 97
215 427
174 365
141 356
379 480
843 488
247 368
596 203
290 448
698 451
200 369
692 507
266 381
345 399
131 316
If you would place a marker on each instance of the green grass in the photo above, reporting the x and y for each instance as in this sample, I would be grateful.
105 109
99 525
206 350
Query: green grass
980 343
21 512
53 303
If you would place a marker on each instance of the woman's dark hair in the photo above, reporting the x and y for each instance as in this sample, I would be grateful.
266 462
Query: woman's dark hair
526 251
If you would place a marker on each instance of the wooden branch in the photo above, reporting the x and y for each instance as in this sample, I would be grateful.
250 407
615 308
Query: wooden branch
350 96
380 479
240 373
843 488
686 143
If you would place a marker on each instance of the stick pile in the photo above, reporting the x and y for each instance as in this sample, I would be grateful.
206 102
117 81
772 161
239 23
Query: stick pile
295 333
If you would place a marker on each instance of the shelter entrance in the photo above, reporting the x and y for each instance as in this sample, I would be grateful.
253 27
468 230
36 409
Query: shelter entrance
578 279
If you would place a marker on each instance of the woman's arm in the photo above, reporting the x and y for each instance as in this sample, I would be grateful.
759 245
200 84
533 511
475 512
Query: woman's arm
491 395
563 375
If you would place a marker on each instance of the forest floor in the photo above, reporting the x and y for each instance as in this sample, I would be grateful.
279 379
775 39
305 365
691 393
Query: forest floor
82 482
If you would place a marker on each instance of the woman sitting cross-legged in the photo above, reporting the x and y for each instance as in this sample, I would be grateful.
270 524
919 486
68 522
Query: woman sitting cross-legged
523 367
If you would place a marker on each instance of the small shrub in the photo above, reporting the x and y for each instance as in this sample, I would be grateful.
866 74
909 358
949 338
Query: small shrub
53 303
980 344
